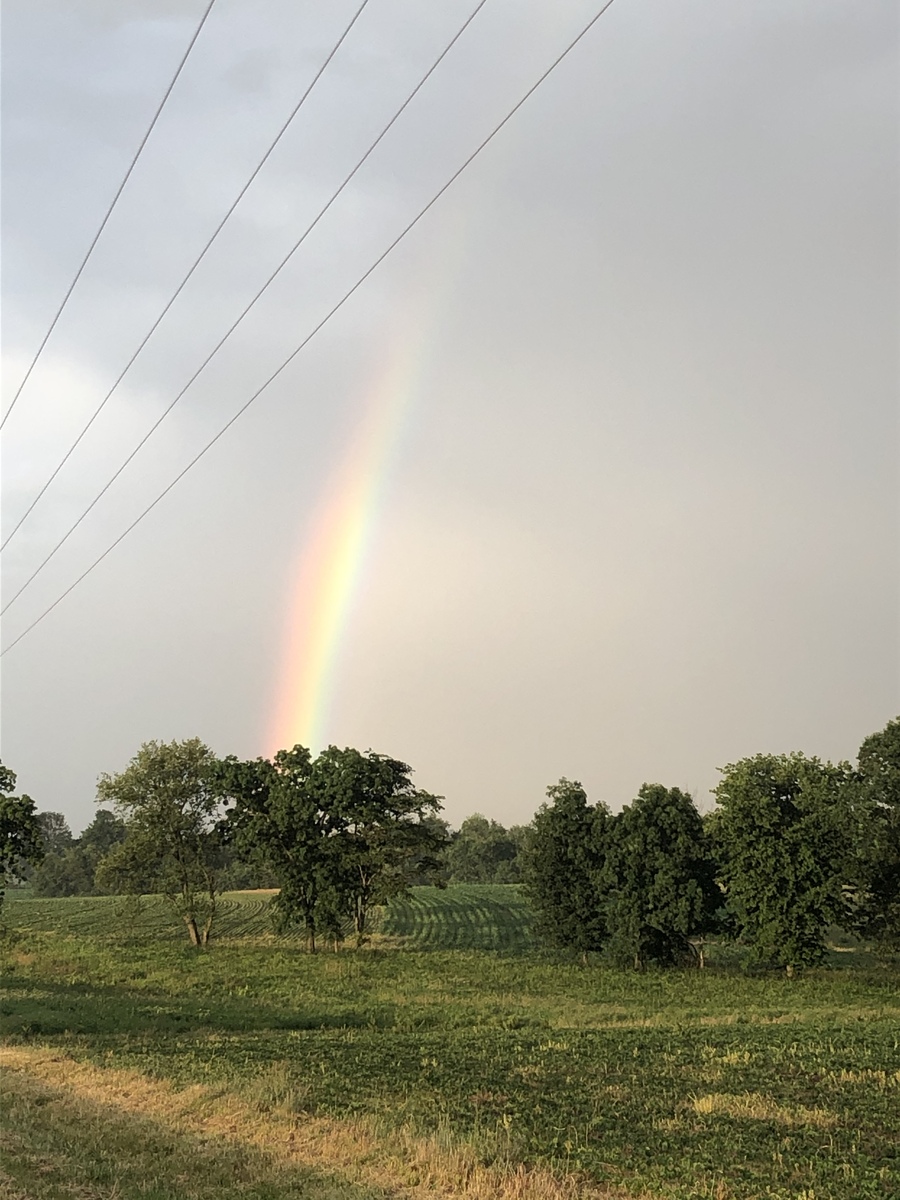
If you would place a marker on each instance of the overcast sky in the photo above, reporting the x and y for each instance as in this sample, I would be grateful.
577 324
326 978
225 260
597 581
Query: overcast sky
640 517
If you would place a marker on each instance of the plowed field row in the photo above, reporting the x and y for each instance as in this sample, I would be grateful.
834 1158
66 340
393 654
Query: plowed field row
465 917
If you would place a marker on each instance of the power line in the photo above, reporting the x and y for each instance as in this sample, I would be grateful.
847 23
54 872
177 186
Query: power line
222 340
109 211
350 292
196 263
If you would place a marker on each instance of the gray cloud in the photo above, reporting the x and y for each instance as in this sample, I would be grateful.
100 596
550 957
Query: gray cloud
642 518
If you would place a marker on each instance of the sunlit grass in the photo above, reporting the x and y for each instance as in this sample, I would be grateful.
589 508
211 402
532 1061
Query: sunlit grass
685 1084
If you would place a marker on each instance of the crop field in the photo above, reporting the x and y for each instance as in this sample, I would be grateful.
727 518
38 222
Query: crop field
135 1066
469 917
464 917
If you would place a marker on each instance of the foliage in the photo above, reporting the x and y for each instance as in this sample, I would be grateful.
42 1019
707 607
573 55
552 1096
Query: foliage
482 851
20 831
342 832
55 832
878 813
172 843
781 835
564 868
71 869
661 878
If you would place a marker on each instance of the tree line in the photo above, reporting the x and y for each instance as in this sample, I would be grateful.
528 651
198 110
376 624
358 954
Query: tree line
792 846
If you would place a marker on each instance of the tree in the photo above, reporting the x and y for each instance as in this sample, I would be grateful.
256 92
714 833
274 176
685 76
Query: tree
564 865
20 831
877 912
105 831
67 874
55 832
172 842
342 832
482 851
780 833
275 820
660 877
383 833
68 869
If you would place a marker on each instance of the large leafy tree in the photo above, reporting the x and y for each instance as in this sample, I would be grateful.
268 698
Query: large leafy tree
383 836
21 841
877 913
781 836
277 822
564 866
660 878
172 844
342 832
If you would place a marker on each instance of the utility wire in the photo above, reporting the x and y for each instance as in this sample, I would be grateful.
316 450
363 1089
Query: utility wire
109 211
343 300
221 342
196 263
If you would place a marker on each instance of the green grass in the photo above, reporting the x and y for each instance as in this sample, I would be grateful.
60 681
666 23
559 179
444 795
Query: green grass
685 1083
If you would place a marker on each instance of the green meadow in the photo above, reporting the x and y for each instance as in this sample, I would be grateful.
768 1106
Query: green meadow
451 1055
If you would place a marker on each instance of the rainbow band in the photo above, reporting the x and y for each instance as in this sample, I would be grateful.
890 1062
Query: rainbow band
332 564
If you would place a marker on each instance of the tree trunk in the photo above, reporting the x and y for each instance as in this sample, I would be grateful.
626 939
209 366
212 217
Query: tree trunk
193 931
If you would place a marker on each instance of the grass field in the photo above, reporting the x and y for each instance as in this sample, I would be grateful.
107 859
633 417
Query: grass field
450 1058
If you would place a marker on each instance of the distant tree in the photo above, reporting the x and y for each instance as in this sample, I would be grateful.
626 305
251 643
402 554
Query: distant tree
20 831
482 851
60 872
69 866
55 832
877 879
660 877
69 873
105 831
430 870
172 843
781 836
564 868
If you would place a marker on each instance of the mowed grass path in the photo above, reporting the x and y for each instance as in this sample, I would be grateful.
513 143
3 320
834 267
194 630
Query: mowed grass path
416 1069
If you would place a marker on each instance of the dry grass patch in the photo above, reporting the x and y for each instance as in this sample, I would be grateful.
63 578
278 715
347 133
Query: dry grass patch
751 1106
397 1165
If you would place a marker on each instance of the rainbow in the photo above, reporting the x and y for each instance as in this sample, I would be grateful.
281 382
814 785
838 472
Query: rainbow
332 562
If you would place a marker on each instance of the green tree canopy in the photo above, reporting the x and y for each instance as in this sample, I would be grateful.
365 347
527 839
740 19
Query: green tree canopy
172 845
55 832
20 831
482 851
781 836
342 831
69 870
660 878
877 913
564 866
